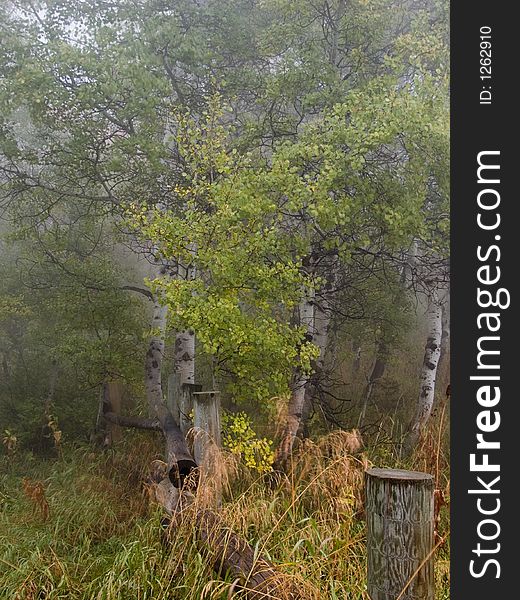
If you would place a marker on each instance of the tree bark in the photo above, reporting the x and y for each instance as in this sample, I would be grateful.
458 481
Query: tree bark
428 375
356 350
335 21
378 370
185 356
320 337
297 399
179 460
185 377
445 338
379 366
228 553
50 395
47 432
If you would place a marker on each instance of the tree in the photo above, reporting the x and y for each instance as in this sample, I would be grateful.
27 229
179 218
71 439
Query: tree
341 105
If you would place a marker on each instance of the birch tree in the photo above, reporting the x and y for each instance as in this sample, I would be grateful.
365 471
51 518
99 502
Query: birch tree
427 379
299 387
343 141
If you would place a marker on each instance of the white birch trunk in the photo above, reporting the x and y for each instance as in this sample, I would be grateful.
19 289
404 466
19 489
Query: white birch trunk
154 357
428 376
407 271
444 367
322 318
180 462
320 333
185 356
297 399
185 340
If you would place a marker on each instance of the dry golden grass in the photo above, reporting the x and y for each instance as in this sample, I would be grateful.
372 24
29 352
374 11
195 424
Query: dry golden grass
102 539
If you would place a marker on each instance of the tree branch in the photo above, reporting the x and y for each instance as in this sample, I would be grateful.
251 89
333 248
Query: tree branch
139 290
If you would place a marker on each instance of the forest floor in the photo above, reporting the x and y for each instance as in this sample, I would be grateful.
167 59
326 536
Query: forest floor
91 531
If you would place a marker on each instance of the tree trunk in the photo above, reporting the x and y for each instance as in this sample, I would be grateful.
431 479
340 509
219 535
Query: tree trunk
378 370
297 399
334 23
47 433
173 395
185 340
50 395
443 367
179 460
379 366
356 350
114 391
185 356
5 366
185 374
228 553
428 375
320 333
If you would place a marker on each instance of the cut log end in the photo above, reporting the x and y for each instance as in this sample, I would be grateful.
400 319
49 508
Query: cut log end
399 474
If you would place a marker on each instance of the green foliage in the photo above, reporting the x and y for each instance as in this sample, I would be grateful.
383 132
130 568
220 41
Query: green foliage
239 438
240 139
63 317
248 277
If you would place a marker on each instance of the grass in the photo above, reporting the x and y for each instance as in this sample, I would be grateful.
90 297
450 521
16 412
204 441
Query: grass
102 540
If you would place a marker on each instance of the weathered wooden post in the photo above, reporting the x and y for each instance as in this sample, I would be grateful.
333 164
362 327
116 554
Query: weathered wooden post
185 405
206 443
399 514
206 419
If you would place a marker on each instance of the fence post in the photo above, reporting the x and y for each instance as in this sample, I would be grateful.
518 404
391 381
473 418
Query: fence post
206 417
186 405
399 514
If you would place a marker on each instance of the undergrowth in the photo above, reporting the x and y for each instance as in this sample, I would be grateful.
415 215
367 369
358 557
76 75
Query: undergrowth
101 539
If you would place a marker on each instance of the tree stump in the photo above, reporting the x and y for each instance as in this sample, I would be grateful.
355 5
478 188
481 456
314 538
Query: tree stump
400 517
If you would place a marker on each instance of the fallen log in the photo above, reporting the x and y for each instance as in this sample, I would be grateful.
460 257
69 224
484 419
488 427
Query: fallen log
133 422
181 465
229 554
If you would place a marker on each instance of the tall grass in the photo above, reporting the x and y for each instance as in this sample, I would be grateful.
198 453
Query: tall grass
102 540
